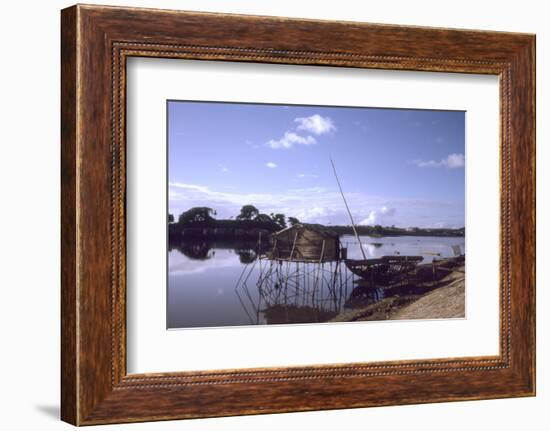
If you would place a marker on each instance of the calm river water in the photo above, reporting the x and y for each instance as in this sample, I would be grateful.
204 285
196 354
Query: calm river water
224 284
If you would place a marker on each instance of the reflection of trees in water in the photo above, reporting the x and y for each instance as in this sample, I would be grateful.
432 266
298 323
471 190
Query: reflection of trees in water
204 250
247 256
195 250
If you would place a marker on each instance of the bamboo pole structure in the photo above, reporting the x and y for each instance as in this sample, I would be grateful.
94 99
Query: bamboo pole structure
290 260
347 208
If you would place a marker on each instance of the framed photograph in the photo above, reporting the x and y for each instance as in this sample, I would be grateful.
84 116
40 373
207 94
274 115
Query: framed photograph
259 237
331 214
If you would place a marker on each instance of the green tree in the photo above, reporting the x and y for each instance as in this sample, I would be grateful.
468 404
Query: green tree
279 220
170 218
263 218
293 220
378 229
196 215
248 212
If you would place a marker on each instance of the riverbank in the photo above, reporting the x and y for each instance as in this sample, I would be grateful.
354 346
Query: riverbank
239 229
445 300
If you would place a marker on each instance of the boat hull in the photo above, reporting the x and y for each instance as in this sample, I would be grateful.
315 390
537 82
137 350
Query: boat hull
383 269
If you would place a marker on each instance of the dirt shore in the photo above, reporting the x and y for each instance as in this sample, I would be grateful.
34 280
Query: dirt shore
446 300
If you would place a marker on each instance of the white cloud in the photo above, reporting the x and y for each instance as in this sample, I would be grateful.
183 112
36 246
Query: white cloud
310 204
318 205
381 216
307 176
452 161
191 187
427 163
225 170
455 161
316 124
271 165
290 139
179 264
312 214
444 225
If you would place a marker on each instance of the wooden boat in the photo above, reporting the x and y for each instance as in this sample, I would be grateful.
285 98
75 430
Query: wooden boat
383 269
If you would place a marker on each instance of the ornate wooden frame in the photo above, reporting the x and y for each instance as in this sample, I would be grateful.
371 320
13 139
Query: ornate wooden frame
96 41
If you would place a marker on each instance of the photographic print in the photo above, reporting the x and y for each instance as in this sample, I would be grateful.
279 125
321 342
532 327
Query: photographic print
299 214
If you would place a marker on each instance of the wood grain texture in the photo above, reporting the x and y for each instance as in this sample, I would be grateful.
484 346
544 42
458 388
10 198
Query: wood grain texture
96 41
69 372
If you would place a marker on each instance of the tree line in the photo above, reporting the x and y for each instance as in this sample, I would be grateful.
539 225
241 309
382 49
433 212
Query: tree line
248 213
251 219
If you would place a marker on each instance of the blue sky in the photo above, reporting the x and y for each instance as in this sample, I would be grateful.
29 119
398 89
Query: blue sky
397 166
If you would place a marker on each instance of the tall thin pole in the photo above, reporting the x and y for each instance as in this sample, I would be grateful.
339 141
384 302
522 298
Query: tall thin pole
347 207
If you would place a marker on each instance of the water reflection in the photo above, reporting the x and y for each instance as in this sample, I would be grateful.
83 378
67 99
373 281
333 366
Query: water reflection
214 283
280 292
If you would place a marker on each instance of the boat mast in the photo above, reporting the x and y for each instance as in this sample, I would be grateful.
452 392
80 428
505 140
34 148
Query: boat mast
347 208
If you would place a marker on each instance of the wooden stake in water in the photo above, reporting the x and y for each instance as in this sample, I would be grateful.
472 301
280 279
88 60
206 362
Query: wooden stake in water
347 208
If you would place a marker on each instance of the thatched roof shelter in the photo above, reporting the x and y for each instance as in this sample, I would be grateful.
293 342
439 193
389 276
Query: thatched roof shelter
305 243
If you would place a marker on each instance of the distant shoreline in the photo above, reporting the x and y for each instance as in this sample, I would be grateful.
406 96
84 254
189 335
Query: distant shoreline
240 229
